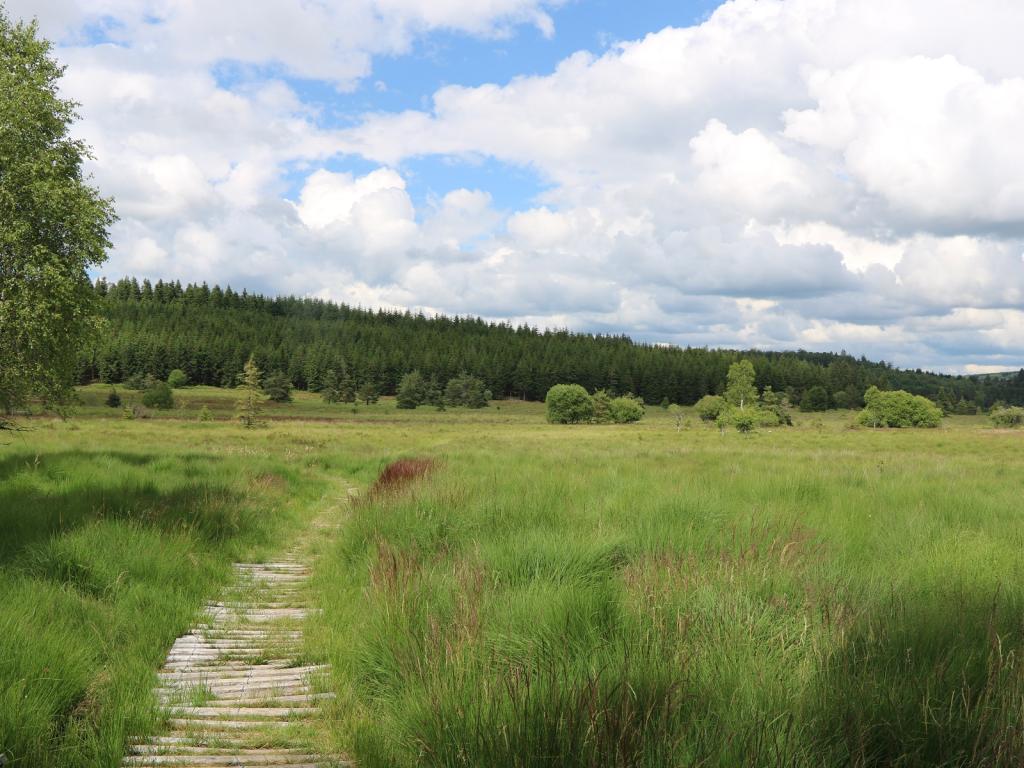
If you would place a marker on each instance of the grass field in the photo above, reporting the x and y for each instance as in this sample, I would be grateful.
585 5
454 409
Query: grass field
593 595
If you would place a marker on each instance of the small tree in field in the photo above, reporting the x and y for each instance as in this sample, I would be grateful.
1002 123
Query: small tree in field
369 393
249 406
413 390
569 404
277 387
113 399
337 385
740 390
602 403
330 387
177 379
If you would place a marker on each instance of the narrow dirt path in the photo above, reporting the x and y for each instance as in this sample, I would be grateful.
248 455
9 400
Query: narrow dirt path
235 689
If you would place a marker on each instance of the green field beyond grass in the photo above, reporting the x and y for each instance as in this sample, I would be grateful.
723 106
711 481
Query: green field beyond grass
547 595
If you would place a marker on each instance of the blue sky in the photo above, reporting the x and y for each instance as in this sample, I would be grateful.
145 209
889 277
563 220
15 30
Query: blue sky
758 173
409 80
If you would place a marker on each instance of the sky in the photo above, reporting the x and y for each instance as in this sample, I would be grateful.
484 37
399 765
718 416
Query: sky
779 174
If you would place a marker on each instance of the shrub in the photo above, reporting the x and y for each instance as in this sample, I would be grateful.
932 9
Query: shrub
113 399
898 409
158 396
625 410
205 415
814 399
568 404
177 379
710 407
278 387
743 419
1007 417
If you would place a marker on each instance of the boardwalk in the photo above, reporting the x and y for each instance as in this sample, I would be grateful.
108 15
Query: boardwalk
235 689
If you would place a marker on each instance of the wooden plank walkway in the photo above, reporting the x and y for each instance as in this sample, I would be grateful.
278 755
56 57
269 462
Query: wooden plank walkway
234 689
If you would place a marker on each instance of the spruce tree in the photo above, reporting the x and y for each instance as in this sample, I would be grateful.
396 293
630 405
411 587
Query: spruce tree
330 387
249 407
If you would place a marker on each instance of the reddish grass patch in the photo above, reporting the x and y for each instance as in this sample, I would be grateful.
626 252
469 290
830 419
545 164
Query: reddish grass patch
399 474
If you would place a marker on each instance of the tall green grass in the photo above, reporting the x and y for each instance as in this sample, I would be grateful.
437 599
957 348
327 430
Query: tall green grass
645 597
111 537
593 596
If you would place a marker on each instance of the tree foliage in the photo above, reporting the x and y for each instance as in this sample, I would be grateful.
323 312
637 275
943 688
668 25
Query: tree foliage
413 390
1007 417
177 379
159 396
249 407
278 387
898 409
466 390
710 407
209 333
815 399
568 404
626 409
53 227
740 390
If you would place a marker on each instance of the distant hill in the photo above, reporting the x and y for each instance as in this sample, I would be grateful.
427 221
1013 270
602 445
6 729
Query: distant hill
209 332
996 376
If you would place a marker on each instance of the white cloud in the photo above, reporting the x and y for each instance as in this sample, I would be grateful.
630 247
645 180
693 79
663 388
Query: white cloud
930 136
790 172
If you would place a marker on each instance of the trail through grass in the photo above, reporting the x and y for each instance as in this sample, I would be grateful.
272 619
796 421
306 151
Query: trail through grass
114 533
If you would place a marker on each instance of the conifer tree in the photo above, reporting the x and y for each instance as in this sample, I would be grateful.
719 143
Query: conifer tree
330 387
249 407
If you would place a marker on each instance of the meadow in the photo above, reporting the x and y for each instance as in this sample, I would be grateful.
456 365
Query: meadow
649 594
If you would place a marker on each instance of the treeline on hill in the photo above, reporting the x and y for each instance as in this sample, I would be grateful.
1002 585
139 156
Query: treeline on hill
209 333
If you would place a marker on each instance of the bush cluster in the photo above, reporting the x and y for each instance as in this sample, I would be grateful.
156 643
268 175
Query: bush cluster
741 406
1007 417
571 404
898 409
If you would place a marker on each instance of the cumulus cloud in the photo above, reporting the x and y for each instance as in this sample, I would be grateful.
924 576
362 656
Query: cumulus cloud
787 173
